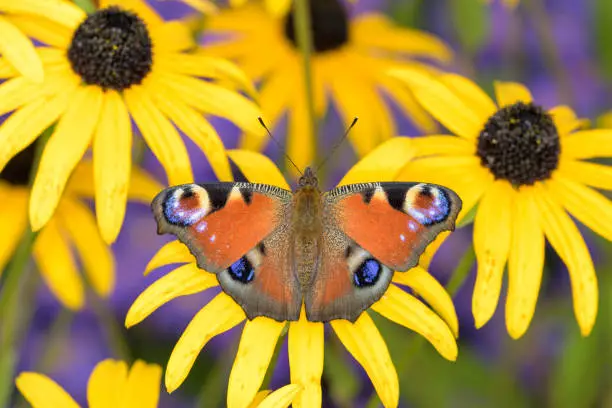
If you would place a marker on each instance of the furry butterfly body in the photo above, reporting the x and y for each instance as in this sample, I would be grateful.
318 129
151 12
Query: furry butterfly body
274 250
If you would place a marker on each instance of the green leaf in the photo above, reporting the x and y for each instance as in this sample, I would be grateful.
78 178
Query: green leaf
471 21
602 14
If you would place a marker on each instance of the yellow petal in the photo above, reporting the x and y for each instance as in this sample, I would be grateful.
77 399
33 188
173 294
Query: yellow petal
363 340
61 12
586 144
26 124
585 204
42 392
112 160
96 257
306 360
57 266
278 7
171 37
375 30
492 234
183 281
18 49
382 163
255 352
107 384
525 263
565 119
198 129
43 30
404 98
403 308
258 168
142 388
218 316
509 93
172 252
443 103
13 218
161 136
437 145
282 397
471 94
203 6
567 241
427 287
591 174
63 151
215 100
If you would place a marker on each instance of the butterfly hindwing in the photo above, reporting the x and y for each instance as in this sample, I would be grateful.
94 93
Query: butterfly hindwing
394 221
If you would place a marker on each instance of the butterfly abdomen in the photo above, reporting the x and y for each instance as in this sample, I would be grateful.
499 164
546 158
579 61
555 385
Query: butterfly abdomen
306 233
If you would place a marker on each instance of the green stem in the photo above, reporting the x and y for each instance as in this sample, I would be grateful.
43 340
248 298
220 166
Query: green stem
303 36
11 308
115 332
87 5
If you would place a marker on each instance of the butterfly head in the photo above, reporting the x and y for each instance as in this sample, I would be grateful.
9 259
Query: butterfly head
308 179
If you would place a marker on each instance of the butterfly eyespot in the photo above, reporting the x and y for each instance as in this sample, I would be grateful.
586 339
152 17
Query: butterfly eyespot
368 273
242 270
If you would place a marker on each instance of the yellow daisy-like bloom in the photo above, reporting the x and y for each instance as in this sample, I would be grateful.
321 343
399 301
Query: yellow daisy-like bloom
528 171
350 57
121 63
72 227
110 385
15 46
305 339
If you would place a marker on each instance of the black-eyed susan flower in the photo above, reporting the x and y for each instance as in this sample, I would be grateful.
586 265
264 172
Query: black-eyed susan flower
111 384
305 339
15 47
524 171
72 229
348 64
121 63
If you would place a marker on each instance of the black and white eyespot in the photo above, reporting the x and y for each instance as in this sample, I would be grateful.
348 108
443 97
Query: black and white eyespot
366 270
427 203
243 270
185 205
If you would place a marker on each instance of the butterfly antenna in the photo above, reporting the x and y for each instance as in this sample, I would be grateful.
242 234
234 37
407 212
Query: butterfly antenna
261 122
337 145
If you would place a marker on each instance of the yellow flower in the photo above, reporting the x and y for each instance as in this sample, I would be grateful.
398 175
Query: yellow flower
305 339
110 385
349 62
528 171
73 226
122 62
15 46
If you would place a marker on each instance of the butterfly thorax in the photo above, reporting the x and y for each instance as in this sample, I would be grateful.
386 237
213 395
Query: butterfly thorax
306 226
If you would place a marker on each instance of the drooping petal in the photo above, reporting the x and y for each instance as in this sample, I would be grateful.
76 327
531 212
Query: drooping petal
43 30
142 388
403 308
427 287
161 136
492 235
20 51
112 160
585 204
13 218
363 340
591 174
170 38
525 262
61 12
57 266
565 119
258 168
96 257
42 392
567 241
172 252
306 360
107 384
218 316
257 344
62 153
471 94
443 103
408 103
381 164
586 144
509 93
282 397
183 281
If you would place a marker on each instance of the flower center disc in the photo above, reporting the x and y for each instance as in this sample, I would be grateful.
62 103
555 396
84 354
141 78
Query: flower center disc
520 143
330 26
112 49
17 170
